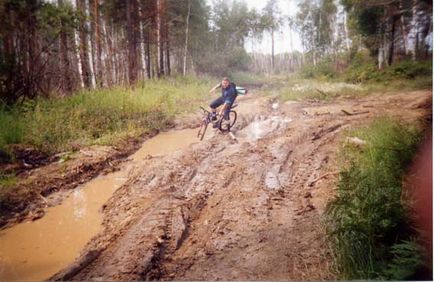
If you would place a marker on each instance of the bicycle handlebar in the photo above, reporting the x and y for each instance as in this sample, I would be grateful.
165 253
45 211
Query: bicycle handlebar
204 110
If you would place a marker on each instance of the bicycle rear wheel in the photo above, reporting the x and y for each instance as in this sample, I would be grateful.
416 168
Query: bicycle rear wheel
226 125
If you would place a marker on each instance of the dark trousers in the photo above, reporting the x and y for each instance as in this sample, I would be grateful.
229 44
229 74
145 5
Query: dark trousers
218 102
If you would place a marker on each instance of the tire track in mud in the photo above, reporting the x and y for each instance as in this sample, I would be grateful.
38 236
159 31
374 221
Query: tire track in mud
223 210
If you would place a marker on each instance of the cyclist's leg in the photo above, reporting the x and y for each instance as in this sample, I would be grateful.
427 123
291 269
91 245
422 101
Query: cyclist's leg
216 103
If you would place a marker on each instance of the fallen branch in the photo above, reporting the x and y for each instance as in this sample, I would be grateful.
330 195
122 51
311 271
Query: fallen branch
318 135
353 114
321 92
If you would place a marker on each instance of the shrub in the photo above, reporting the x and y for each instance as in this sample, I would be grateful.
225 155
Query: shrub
411 69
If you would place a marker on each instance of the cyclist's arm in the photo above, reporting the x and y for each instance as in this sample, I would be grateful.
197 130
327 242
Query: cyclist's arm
215 87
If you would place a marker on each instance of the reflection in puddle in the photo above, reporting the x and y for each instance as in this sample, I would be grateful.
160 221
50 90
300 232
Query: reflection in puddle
79 203
36 250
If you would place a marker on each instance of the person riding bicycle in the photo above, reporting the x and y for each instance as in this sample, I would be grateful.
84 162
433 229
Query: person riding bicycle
229 94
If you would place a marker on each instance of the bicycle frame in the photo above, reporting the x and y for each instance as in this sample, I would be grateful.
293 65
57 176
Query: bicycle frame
207 119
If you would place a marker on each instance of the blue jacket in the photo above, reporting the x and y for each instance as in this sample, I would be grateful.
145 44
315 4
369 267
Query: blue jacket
230 93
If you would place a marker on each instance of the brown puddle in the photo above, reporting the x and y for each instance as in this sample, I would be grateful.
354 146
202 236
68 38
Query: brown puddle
36 250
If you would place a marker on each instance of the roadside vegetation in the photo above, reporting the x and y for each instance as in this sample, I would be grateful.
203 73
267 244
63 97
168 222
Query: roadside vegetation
99 117
369 222
358 78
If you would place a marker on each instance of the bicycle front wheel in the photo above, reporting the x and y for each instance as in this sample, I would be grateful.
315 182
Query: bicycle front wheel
202 130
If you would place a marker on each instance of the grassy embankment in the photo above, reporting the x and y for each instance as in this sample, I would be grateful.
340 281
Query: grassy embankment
102 116
360 78
369 220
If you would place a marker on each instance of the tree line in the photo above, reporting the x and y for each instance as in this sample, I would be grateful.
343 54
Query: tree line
391 30
61 46
66 45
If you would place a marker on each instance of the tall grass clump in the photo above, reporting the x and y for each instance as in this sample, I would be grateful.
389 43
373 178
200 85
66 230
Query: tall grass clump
100 116
369 224
11 131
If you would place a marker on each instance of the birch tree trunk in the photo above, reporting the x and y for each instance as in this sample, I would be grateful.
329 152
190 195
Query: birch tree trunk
99 63
142 43
129 27
381 48
160 62
89 46
77 49
347 40
184 70
66 83
415 30
272 49
106 56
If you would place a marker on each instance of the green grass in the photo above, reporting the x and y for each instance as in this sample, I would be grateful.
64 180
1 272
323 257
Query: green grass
320 87
363 71
358 77
11 131
301 89
7 180
101 116
368 222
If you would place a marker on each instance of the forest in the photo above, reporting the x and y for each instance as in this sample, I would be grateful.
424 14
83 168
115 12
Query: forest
324 171
58 47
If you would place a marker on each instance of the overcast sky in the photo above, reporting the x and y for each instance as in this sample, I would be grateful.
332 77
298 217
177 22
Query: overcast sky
283 38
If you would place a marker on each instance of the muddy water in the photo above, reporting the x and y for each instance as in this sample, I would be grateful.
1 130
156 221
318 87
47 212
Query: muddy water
36 250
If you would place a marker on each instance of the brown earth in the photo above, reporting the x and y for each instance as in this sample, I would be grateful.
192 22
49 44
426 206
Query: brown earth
249 209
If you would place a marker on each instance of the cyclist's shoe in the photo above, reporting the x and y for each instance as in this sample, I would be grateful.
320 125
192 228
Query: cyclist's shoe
215 125
213 116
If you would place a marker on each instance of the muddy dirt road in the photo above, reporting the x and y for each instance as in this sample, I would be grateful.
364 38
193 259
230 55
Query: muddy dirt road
246 210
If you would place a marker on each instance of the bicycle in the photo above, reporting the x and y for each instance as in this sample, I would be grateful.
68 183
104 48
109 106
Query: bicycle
222 124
